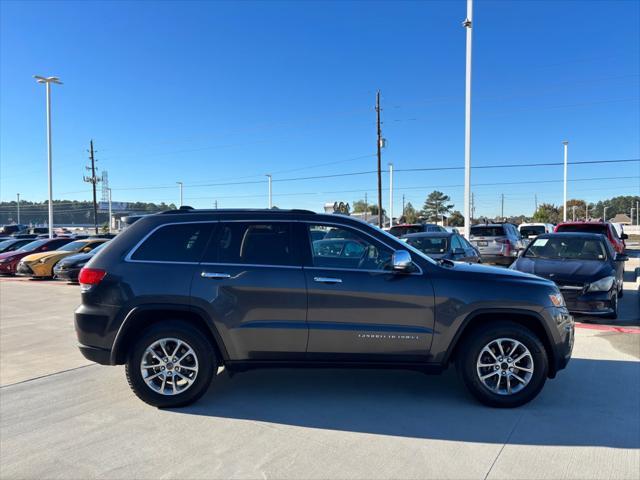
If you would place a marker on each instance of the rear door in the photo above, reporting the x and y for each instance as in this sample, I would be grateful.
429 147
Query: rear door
251 283
358 308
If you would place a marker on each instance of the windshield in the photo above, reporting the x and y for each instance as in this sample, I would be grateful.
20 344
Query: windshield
486 231
33 245
429 245
73 246
400 231
99 247
4 245
585 227
567 248
405 246
532 230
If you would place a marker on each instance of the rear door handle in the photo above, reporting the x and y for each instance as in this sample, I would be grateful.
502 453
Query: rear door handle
327 280
214 275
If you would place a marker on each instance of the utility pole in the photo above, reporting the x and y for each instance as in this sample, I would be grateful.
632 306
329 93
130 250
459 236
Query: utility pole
379 159
502 207
391 195
637 213
564 210
270 191
604 214
215 204
535 199
181 198
468 22
574 212
366 207
403 205
48 81
18 205
586 211
110 211
93 180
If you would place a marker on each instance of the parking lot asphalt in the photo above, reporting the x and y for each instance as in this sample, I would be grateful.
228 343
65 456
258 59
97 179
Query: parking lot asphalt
64 417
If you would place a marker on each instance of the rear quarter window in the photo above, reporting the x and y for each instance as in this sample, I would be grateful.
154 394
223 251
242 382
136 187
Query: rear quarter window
175 243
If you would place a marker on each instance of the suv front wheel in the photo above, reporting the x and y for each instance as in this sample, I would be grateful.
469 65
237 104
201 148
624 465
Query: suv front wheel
503 364
171 365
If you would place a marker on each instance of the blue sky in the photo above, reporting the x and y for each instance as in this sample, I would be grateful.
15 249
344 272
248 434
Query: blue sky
214 92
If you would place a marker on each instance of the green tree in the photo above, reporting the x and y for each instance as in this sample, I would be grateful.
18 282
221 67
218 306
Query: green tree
359 206
436 205
410 214
456 219
547 213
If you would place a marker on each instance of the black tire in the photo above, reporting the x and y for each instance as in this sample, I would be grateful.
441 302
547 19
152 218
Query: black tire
469 352
207 364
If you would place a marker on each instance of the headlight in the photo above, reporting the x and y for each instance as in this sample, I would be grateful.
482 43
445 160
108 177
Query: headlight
42 260
557 299
2 260
602 285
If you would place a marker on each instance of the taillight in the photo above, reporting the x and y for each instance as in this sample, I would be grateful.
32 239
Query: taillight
91 276
507 243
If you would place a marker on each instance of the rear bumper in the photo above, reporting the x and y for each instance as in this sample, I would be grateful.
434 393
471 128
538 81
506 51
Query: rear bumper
98 355
497 259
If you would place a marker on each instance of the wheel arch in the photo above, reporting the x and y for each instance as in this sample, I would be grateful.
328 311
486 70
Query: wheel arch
142 317
526 318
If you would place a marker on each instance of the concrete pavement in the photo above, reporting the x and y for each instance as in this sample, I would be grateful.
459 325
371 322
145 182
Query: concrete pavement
84 422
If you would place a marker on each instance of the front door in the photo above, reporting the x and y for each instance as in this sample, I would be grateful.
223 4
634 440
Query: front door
358 308
253 288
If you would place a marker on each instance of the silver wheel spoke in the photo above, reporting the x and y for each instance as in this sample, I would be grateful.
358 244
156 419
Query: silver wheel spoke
165 382
510 351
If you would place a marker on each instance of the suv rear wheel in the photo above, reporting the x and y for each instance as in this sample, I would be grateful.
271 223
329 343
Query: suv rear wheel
503 364
171 365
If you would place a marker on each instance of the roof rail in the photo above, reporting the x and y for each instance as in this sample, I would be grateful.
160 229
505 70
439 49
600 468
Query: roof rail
186 209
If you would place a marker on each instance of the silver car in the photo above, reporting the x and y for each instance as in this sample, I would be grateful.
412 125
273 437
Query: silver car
498 243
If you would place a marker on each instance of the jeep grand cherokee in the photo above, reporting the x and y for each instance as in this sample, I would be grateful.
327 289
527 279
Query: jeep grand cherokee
181 293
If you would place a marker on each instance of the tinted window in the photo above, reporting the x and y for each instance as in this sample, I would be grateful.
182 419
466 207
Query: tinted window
73 246
587 228
256 243
569 248
32 245
487 231
346 248
429 245
175 243
405 230
456 243
532 230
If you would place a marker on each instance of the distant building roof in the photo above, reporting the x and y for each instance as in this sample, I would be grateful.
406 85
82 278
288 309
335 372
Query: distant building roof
621 218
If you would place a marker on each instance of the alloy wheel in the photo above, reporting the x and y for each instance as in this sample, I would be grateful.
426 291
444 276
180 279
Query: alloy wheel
169 366
505 366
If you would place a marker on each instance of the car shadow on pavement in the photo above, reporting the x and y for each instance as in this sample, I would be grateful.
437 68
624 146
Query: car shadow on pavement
592 403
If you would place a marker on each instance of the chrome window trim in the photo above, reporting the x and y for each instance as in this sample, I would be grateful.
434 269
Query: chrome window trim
258 265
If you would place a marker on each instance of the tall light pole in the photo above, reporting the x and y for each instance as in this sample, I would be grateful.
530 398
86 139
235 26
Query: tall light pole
467 124
390 195
48 81
110 211
18 205
181 198
574 212
270 194
566 154
604 214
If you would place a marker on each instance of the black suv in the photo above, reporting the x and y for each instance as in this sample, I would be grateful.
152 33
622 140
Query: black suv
181 293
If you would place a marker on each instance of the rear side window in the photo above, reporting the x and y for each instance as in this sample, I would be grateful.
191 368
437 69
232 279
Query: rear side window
252 243
175 243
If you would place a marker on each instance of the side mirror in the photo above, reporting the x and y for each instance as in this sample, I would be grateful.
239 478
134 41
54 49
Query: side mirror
624 236
621 257
401 261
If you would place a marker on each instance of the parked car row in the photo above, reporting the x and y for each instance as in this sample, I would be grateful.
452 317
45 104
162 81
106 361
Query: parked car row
60 257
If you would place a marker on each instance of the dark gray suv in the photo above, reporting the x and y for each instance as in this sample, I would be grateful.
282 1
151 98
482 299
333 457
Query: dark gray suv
181 293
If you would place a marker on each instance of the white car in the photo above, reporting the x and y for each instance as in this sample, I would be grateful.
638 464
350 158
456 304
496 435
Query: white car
529 231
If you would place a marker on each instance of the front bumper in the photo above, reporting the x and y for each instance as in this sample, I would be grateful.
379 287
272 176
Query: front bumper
66 273
24 270
590 303
563 337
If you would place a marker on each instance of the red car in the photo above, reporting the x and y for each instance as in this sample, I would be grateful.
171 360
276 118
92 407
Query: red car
9 261
604 228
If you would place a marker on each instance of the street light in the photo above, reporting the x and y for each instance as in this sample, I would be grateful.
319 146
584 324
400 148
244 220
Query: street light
467 125
566 147
390 195
270 197
48 81
180 184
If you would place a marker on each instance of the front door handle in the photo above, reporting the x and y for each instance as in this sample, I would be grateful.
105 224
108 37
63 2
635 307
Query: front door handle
214 275
327 280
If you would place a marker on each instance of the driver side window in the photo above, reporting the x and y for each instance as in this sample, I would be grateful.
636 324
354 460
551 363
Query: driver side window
337 247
